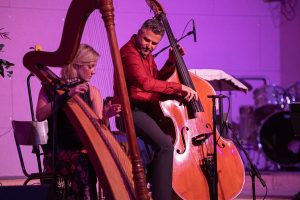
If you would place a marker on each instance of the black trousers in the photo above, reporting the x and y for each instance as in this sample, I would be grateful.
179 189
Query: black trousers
161 166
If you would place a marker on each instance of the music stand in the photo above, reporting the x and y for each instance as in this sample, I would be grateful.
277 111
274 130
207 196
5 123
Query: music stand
221 81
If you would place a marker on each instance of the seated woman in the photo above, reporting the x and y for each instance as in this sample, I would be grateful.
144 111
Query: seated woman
72 158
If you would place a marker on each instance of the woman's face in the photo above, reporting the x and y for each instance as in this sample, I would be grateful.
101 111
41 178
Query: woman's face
86 71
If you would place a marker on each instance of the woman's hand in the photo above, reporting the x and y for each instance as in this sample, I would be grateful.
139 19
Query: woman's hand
81 88
110 110
189 93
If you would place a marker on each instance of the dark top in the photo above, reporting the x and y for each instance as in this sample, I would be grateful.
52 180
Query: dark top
67 137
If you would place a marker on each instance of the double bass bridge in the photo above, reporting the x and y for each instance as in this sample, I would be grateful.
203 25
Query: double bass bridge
200 139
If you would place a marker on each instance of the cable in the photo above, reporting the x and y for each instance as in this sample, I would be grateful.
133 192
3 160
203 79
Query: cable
186 27
182 36
266 193
2 134
223 124
228 109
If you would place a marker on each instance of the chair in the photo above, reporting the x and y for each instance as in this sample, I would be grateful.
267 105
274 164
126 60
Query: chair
31 133
35 134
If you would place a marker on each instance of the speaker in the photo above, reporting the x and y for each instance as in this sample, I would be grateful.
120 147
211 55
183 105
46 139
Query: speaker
36 192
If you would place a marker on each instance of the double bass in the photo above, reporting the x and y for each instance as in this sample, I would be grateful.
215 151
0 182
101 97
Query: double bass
121 177
192 129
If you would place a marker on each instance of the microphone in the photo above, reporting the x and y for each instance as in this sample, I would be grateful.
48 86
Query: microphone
194 31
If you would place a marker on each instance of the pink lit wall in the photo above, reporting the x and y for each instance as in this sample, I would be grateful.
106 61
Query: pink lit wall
289 50
240 37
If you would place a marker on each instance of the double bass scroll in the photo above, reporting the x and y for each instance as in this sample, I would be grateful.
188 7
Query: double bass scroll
124 179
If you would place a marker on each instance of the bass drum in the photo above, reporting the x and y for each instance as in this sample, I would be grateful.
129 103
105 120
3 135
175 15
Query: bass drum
278 140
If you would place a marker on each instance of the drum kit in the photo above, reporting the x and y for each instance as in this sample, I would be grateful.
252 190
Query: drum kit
267 129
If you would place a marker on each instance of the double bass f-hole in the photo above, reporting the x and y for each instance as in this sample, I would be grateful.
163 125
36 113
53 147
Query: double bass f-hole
183 130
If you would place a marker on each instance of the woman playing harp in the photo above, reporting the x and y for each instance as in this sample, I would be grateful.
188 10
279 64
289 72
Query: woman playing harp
72 158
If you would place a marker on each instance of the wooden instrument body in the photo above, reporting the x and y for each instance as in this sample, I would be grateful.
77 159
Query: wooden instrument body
189 179
113 167
122 178
192 129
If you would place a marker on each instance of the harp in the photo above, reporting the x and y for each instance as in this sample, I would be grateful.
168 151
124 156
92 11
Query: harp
123 177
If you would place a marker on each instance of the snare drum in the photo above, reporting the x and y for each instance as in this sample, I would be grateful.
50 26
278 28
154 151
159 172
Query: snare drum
268 99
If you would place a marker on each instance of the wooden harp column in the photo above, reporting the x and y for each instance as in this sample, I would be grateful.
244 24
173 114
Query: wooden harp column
125 179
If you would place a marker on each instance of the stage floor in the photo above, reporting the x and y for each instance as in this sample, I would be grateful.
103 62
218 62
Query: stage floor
281 185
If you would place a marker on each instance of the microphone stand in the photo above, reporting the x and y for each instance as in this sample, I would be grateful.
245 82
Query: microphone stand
254 172
55 148
214 172
163 49
54 142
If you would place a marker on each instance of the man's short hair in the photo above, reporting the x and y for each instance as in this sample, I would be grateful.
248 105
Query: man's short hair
154 25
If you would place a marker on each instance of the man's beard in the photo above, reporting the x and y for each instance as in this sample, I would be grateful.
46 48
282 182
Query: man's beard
146 50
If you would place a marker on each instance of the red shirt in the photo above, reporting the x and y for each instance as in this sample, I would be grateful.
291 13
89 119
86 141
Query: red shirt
144 81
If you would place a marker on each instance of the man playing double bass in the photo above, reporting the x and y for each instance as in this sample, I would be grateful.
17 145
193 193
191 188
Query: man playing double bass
145 85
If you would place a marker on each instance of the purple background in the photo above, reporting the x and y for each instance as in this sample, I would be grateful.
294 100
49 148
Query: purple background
244 38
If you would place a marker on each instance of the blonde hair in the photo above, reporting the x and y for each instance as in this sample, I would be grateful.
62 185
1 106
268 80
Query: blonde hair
85 54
